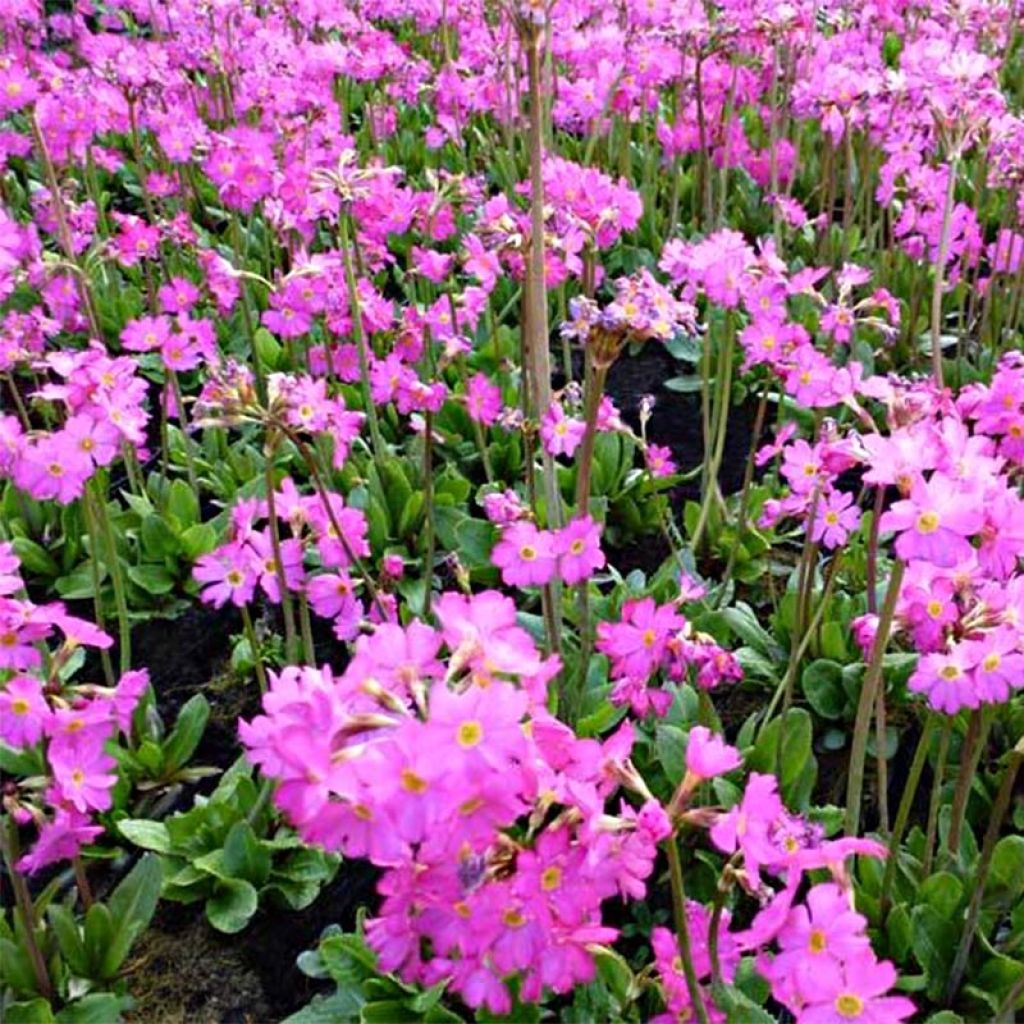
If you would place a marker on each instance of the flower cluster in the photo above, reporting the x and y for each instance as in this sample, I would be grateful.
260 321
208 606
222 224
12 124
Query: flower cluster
68 727
486 812
531 557
650 638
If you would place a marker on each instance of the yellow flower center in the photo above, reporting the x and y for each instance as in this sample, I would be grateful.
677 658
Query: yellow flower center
927 522
527 553
848 1005
513 918
20 706
551 878
413 783
469 734
992 662
817 942
950 672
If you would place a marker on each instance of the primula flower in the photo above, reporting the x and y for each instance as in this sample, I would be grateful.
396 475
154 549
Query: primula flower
835 518
935 522
855 991
578 546
948 679
659 460
708 755
483 400
561 434
24 712
83 771
526 556
60 839
638 642
230 573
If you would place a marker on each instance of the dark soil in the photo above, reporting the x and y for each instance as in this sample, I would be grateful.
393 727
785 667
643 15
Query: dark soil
182 970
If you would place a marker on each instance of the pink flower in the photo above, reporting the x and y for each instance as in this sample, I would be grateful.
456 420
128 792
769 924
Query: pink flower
24 712
855 991
578 546
59 839
835 518
947 678
483 400
934 524
637 644
708 755
82 771
561 434
525 555
231 574
659 460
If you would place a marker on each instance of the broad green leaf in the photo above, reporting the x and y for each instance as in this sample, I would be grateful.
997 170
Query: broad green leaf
150 835
822 683
244 857
187 732
232 905
36 1011
132 905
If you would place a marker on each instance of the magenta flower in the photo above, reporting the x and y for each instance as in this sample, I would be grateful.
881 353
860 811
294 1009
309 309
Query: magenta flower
835 518
483 400
83 771
59 839
855 991
230 573
935 522
578 546
561 434
947 678
526 556
708 755
24 712
659 460
637 643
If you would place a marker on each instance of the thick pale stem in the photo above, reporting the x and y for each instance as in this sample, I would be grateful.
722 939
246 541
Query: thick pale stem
675 869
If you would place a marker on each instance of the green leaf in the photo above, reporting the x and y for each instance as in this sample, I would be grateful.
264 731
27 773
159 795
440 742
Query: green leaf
340 1008
132 905
268 349
37 1011
244 857
183 504
822 683
69 939
945 1017
934 942
998 976
1006 873
942 892
798 769
34 557
833 642
150 835
153 579
95 1008
670 746
616 974
474 539
232 905
20 762
743 622
187 732
99 931
198 540
389 1011
16 967
158 539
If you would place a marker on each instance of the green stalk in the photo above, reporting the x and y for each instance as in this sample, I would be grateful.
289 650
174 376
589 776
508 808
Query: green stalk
940 273
970 754
683 930
23 899
254 647
291 645
116 577
355 311
936 798
428 509
999 809
906 803
308 650
865 706
193 479
94 566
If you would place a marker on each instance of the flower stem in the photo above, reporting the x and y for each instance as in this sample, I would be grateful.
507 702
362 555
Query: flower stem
23 899
254 648
936 799
116 577
291 646
683 929
999 809
970 755
906 803
940 274
866 704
